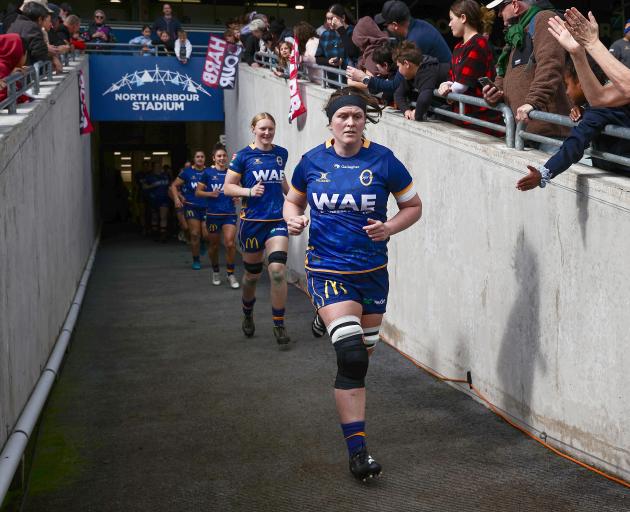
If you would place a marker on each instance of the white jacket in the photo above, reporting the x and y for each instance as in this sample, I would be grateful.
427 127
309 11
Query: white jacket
178 47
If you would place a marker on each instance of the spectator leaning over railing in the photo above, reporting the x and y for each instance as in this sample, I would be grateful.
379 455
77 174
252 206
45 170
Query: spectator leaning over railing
621 48
336 48
167 23
398 21
253 42
183 48
592 122
69 32
308 42
530 68
12 58
578 34
98 32
422 75
368 37
387 79
53 50
28 26
144 42
285 49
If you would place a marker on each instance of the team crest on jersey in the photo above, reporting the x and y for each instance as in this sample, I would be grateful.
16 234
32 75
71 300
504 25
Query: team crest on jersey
366 178
323 178
279 161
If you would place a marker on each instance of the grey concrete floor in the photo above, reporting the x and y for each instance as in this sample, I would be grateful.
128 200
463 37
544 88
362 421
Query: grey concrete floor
163 405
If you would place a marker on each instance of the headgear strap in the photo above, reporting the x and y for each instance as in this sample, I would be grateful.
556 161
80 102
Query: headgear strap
345 101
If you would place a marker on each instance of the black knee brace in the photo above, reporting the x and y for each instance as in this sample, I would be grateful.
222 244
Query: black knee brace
253 268
352 363
278 257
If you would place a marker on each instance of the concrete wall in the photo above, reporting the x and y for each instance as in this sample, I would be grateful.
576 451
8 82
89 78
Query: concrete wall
528 291
47 227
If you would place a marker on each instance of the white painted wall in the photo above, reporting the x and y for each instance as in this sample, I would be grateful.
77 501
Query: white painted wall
47 227
529 291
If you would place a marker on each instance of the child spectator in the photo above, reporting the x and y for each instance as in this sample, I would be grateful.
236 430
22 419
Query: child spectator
421 74
367 37
164 45
593 121
230 36
183 48
144 42
285 49
387 78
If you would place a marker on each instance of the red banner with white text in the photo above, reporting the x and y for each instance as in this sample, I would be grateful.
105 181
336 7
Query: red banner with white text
296 107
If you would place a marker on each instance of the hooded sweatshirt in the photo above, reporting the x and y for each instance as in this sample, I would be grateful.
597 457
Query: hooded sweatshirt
11 52
367 37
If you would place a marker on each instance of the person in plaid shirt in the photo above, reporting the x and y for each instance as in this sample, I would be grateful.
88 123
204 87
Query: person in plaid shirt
336 48
472 57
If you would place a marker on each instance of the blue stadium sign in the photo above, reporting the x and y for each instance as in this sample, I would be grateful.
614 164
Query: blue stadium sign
126 88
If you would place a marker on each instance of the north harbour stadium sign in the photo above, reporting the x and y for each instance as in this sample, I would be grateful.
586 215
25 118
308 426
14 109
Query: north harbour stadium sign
147 102
124 88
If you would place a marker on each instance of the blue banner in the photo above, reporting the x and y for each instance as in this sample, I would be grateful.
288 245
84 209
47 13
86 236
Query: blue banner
130 88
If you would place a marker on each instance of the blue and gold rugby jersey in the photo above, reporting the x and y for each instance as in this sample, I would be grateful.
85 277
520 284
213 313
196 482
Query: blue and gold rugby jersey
191 176
343 194
214 179
267 167
159 184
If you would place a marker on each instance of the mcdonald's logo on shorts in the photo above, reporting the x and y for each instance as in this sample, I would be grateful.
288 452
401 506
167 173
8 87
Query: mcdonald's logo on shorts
212 228
252 243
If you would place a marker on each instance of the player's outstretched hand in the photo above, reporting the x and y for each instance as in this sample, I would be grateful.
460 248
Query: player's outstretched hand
377 230
297 224
532 180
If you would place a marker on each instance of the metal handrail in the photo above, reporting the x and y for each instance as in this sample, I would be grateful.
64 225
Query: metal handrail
134 49
269 60
509 126
19 83
522 135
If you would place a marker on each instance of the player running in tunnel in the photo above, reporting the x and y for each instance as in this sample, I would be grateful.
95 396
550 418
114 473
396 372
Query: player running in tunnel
220 216
183 190
347 182
256 174
156 185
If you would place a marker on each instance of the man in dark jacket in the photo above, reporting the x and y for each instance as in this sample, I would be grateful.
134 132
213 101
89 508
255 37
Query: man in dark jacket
29 27
167 23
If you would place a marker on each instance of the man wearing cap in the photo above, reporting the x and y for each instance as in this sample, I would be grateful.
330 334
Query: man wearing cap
398 21
530 69
621 48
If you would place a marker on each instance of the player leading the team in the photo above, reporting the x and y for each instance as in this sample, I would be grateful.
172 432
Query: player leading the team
347 182
256 174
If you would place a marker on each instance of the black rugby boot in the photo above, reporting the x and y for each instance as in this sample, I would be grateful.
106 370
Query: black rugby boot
363 466
248 325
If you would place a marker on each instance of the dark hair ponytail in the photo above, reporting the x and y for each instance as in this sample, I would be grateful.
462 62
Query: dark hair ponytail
342 12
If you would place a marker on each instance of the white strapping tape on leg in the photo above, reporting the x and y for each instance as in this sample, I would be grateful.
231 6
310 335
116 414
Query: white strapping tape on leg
371 335
338 333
